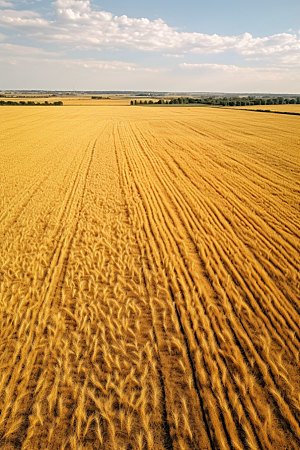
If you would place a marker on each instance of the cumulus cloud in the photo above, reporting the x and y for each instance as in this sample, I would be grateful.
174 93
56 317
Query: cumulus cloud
78 25
22 20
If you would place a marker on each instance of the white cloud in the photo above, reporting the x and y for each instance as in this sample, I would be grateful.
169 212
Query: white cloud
14 54
79 26
246 73
285 59
106 65
210 66
22 20
277 43
172 55
4 4
20 50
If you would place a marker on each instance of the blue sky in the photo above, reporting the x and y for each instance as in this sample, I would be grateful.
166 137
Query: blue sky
216 45
258 17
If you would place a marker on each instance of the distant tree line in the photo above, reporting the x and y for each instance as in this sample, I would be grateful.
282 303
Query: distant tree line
29 103
225 101
142 102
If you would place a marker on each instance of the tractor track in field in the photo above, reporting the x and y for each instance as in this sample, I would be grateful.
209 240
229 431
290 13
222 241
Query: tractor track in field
149 280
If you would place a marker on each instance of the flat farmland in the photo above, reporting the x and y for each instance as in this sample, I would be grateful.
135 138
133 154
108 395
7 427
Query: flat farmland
149 279
76 100
282 108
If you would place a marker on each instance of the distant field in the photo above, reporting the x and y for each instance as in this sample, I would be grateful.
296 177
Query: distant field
120 101
288 108
149 279
78 101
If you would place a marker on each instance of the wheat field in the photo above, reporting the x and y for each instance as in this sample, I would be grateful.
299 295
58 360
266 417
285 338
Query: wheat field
282 108
149 270
84 100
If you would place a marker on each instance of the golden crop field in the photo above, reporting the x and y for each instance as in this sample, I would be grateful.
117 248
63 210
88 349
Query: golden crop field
77 100
150 289
285 108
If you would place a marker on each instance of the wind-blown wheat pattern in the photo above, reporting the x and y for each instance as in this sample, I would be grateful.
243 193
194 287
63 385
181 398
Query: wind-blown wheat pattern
149 276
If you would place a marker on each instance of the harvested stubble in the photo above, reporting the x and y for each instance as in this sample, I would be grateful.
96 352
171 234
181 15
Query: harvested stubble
149 279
